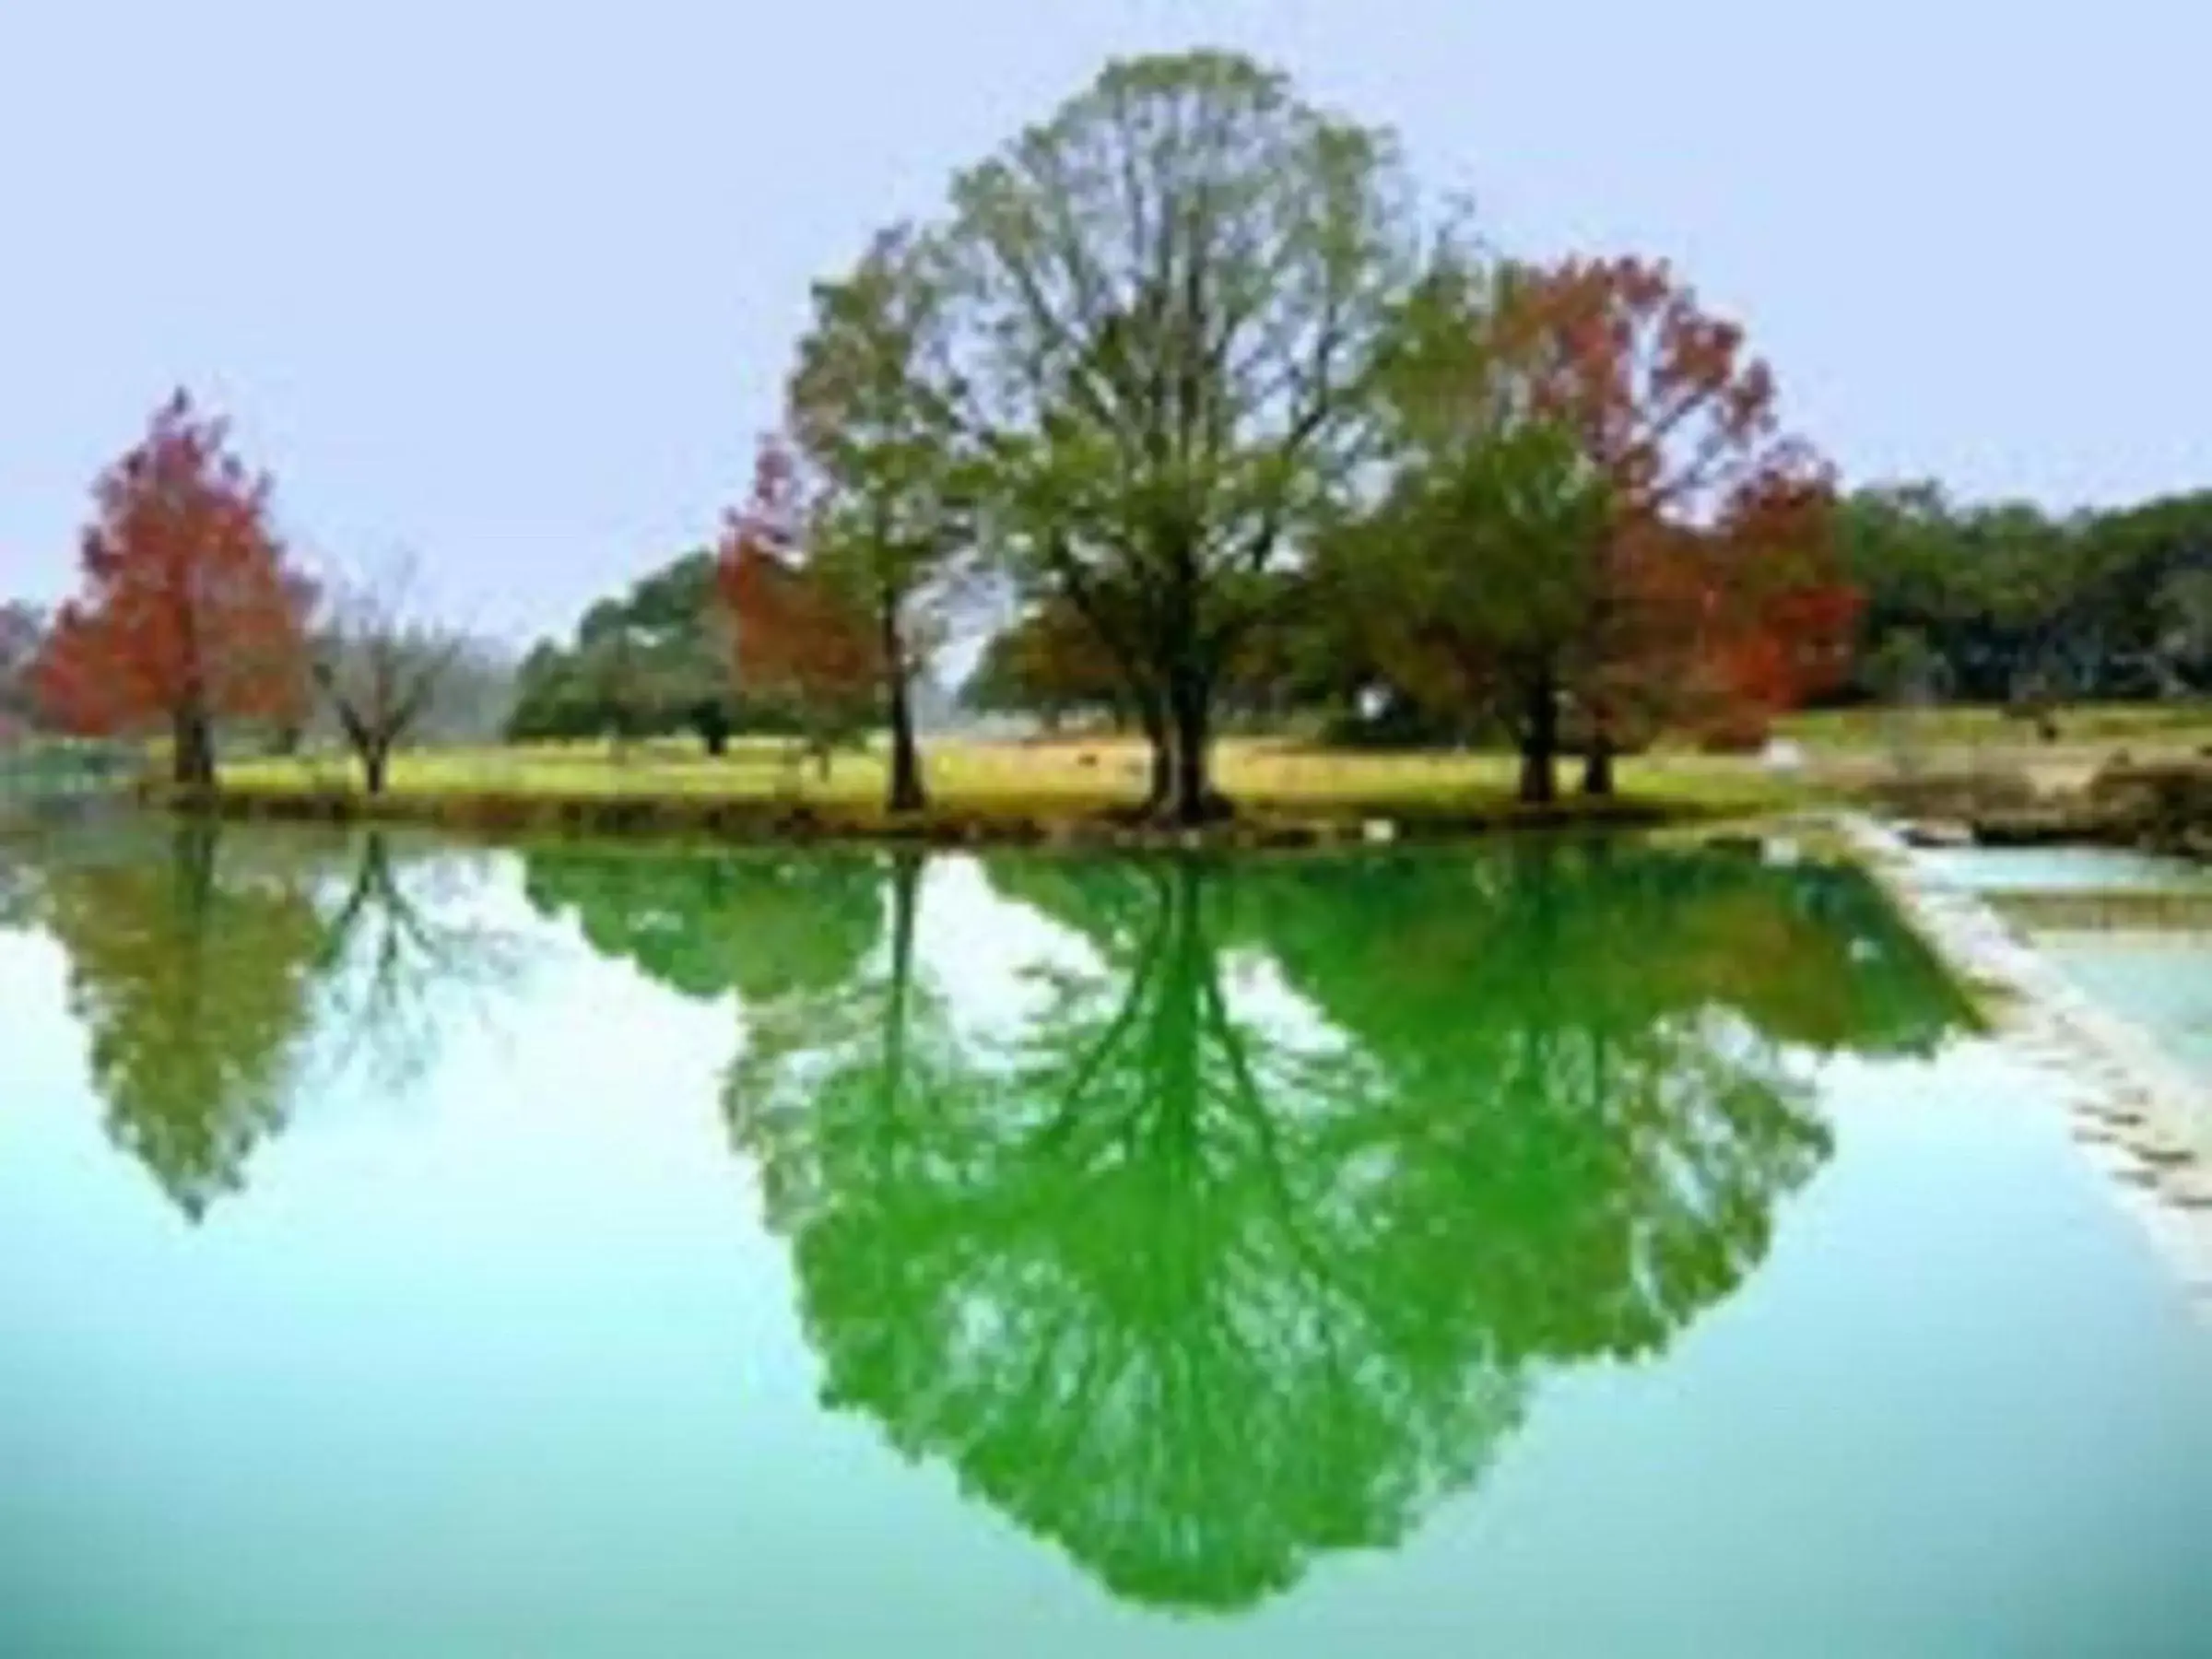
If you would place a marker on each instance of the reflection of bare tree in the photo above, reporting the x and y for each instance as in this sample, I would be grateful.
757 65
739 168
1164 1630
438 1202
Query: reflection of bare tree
407 950
1201 1296
195 987
218 985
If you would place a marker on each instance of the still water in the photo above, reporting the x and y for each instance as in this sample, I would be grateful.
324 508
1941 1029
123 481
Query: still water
2134 930
590 1250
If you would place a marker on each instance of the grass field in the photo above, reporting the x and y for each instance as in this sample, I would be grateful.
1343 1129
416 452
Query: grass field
1060 777
2183 724
977 784
1849 749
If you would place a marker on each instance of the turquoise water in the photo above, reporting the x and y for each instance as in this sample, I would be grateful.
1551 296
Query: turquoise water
592 1251
2000 870
2163 982
2145 951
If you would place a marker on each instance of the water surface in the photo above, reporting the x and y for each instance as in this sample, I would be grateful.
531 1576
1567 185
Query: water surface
2131 929
594 1250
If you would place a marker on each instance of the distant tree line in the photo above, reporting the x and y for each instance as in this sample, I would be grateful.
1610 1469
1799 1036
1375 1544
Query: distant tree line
650 662
2005 604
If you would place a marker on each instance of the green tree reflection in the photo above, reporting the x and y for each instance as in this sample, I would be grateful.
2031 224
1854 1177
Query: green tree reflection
195 987
704 924
1586 1054
1201 1285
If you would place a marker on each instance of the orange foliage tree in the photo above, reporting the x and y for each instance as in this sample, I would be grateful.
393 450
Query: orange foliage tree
797 639
187 613
1049 662
1714 588
1787 621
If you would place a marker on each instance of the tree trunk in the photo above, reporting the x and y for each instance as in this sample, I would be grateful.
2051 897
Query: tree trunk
192 866
1540 743
1597 760
907 793
1155 722
713 725
906 887
1191 798
191 757
1174 1043
376 766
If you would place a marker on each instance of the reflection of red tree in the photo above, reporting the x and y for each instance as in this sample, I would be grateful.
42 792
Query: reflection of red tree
187 614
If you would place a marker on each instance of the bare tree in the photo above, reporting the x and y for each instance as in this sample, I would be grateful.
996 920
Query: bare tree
379 661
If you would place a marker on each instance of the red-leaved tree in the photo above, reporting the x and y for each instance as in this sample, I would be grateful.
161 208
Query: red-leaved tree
797 640
1717 550
1788 620
187 613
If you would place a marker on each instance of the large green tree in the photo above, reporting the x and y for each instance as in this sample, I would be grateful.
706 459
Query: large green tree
1164 304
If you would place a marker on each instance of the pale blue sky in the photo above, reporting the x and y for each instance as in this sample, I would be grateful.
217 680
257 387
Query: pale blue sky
514 285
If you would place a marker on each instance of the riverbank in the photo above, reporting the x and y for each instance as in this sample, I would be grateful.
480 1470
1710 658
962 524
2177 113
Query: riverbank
1961 777
2163 806
2142 1119
977 823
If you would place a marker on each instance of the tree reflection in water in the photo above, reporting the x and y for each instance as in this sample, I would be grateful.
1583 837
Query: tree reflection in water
407 953
706 924
1201 1279
194 991
222 976
1241 1235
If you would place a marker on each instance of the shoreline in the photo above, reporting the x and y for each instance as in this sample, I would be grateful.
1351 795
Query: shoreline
2140 1119
1256 824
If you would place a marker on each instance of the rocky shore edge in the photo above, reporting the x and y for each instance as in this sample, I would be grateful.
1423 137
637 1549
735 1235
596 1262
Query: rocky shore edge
2164 807
2140 1116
